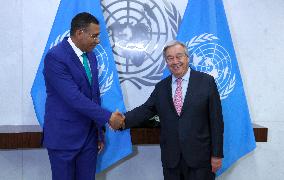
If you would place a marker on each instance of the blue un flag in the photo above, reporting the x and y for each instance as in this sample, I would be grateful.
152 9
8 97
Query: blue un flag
204 30
118 144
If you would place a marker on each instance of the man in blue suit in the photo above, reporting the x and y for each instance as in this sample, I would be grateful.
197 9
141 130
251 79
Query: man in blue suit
74 119
190 112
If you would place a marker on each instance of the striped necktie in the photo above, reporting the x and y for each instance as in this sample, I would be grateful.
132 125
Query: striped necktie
87 67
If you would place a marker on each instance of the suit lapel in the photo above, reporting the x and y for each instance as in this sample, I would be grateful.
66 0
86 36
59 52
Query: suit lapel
189 91
169 94
75 58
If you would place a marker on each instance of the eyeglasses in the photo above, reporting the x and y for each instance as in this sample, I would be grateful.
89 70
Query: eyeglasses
93 36
179 56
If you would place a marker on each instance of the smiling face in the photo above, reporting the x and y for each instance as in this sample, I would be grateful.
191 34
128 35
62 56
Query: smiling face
177 60
88 37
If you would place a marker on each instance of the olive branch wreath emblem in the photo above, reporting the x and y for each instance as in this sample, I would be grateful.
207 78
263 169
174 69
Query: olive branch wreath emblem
157 71
175 20
195 41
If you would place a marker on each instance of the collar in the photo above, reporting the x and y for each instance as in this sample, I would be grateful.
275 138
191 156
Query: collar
75 48
184 78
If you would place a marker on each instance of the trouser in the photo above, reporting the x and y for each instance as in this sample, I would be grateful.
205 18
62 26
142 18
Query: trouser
183 172
78 164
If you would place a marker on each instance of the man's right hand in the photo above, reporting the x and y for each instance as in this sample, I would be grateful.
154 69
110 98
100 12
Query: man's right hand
116 120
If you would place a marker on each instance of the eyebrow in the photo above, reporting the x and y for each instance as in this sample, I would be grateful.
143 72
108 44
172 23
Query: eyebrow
176 54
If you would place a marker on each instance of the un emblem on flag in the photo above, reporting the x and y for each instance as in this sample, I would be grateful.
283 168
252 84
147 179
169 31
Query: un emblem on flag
138 31
211 58
105 73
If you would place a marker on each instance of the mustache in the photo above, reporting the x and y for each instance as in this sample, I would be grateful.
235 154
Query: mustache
176 64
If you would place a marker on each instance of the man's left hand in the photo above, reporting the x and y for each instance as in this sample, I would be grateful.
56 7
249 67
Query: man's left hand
216 163
101 146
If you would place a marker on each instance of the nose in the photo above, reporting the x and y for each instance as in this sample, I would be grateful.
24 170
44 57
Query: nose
175 60
97 40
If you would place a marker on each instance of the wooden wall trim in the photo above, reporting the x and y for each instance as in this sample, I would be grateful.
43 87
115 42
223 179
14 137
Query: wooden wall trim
29 136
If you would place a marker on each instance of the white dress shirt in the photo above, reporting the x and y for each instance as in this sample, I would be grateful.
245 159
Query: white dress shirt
78 51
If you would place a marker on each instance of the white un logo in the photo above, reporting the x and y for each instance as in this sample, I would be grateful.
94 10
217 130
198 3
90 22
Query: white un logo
105 72
212 59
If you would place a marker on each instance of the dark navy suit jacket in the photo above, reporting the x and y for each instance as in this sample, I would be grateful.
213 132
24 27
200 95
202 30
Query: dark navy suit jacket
197 133
72 106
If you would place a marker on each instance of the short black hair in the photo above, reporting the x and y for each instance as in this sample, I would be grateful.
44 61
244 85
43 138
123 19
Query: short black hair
81 21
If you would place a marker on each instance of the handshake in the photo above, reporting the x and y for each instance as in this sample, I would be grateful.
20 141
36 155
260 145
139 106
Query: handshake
117 121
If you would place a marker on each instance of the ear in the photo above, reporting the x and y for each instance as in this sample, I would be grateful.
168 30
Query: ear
79 33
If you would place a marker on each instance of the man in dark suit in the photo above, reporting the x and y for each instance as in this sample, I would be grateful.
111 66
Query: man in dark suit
189 108
74 118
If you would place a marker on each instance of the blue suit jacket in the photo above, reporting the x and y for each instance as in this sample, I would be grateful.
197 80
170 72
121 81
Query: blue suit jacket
72 106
